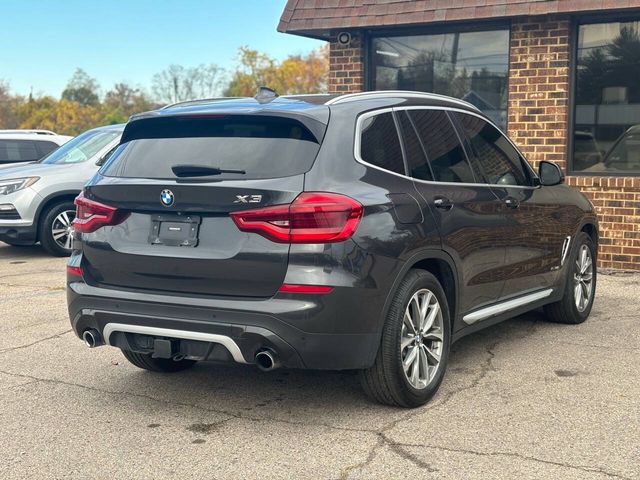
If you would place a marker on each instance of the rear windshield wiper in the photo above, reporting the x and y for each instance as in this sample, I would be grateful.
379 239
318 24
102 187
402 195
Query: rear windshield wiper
183 171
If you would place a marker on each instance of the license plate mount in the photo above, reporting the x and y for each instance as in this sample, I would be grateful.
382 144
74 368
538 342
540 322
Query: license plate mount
174 230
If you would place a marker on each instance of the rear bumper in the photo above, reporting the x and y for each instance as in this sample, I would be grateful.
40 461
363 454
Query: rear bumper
336 331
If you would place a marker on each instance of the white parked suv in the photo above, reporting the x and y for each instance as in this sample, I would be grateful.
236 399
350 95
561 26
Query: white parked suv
36 199
28 145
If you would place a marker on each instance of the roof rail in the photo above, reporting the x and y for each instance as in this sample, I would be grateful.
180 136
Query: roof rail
198 100
29 131
351 97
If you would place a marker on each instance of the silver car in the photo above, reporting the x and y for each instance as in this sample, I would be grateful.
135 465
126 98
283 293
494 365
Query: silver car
36 199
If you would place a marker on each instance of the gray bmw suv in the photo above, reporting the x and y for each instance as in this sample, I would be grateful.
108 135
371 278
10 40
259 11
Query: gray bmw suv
365 231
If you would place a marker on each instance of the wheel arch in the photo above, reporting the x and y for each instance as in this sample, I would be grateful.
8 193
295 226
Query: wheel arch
52 199
590 229
443 267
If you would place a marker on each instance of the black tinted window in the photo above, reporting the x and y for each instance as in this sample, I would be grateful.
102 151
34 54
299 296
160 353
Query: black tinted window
379 143
416 158
444 152
45 148
18 151
607 99
498 160
261 146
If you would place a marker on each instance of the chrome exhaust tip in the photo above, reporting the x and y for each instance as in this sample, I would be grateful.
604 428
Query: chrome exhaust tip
92 338
267 360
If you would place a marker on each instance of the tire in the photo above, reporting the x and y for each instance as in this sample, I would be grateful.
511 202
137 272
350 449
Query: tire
50 221
163 365
386 381
567 310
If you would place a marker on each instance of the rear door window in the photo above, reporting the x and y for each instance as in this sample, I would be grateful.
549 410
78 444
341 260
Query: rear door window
18 151
45 148
416 156
445 154
379 143
497 158
259 146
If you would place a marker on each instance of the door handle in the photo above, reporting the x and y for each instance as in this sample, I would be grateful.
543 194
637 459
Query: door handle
443 203
511 202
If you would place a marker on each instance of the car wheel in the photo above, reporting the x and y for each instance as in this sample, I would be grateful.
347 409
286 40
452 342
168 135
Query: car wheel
414 349
164 365
580 287
55 229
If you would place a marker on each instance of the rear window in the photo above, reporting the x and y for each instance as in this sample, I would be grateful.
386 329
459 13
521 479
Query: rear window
261 146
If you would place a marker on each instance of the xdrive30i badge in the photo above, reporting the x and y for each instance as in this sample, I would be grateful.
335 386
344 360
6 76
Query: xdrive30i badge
166 197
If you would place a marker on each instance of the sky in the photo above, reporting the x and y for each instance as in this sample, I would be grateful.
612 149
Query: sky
44 41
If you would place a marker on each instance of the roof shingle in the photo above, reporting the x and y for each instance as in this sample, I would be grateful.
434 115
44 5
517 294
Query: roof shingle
316 17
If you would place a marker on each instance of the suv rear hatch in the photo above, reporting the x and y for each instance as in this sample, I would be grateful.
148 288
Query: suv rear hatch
167 193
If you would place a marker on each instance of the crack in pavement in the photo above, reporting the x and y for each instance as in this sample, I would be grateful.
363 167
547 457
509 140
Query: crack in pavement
593 345
231 414
57 335
583 468
397 448
384 440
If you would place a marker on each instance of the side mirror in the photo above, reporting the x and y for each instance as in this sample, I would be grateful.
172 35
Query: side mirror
550 174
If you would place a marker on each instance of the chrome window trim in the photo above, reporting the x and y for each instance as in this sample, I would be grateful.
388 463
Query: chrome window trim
228 342
505 306
359 159
351 97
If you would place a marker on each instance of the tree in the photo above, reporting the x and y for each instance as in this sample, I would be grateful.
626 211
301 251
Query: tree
82 89
177 83
64 116
295 74
122 101
8 103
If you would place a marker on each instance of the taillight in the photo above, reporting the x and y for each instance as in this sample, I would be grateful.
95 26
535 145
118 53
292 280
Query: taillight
313 217
91 215
77 271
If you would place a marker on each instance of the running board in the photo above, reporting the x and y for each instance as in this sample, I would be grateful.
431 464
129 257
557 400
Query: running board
505 306
228 342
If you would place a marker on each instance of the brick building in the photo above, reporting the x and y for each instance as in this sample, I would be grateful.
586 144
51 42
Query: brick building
562 77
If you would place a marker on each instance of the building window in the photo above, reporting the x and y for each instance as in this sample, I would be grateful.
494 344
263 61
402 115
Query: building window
472 66
606 135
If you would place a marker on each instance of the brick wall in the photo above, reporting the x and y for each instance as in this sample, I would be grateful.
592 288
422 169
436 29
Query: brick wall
346 65
538 123
538 112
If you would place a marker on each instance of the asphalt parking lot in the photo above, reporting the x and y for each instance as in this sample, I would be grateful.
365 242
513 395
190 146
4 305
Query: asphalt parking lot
525 399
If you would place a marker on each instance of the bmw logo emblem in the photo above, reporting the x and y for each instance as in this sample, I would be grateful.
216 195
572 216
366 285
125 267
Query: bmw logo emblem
166 197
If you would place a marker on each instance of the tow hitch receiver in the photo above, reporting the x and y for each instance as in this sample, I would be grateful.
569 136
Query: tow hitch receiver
163 348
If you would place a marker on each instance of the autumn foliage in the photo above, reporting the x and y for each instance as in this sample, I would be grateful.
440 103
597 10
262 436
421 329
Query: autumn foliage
82 104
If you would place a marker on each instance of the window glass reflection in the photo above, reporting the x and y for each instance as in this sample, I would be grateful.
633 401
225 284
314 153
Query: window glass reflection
606 136
472 66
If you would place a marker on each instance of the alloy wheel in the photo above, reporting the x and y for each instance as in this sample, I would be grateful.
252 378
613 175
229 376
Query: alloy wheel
422 340
583 278
62 229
